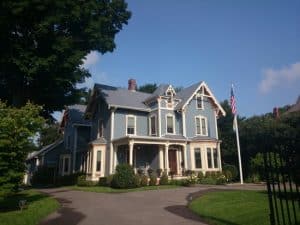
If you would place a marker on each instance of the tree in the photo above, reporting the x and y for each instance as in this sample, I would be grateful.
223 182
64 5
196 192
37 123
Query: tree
43 44
148 88
18 127
49 134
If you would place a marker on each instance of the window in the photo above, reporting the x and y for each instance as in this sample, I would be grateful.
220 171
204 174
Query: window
199 102
66 165
201 125
198 163
153 125
215 153
170 124
98 163
130 124
100 128
209 159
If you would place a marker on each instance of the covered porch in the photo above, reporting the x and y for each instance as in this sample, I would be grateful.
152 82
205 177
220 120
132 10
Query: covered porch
169 156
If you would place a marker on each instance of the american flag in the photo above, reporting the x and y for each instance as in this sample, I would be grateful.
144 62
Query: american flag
232 102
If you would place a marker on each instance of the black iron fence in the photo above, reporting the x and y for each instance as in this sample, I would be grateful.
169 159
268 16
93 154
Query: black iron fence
282 175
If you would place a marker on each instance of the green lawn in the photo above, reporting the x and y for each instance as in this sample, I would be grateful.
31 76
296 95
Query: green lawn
113 190
39 206
233 208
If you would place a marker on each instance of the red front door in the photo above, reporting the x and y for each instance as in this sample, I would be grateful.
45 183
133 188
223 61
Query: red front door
173 161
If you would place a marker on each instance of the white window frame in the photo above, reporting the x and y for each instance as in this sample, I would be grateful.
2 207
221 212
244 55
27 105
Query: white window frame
199 97
101 161
150 125
173 118
63 157
134 117
198 148
206 128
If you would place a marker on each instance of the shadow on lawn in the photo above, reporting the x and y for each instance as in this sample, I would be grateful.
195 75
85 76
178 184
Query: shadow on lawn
11 202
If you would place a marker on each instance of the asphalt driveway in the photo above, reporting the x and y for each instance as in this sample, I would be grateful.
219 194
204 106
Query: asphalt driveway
140 208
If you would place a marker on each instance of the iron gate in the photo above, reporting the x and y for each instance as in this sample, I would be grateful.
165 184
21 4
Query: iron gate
282 176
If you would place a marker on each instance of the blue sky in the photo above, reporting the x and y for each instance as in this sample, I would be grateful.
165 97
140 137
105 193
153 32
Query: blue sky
253 44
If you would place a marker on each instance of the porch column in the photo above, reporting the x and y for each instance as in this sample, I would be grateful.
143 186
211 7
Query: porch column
115 158
167 158
131 153
219 156
184 157
94 162
161 157
87 168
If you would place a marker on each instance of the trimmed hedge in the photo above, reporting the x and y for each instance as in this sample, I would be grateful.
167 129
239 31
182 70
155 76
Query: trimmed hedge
124 177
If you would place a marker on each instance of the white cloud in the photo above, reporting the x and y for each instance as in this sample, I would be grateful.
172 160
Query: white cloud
91 59
280 77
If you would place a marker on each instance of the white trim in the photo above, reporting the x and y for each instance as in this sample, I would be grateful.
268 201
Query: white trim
159 117
216 124
206 128
111 148
202 101
128 107
63 157
173 117
183 124
126 123
74 150
81 125
210 95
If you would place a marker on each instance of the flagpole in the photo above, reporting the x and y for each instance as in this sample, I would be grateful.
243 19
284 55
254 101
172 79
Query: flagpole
238 148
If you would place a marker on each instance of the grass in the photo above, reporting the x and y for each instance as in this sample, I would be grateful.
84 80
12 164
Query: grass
233 208
101 189
39 206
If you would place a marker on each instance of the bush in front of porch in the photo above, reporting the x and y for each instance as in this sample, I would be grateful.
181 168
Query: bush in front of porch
125 177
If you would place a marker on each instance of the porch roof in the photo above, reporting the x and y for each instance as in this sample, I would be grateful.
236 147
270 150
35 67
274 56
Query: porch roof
172 139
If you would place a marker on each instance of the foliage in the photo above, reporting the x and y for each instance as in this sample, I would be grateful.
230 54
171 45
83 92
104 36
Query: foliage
228 175
231 171
150 171
200 175
153 180
144 180
164 179
191 180
148 88
137 181
124 177
49 134
208 180
43 44
105 181
39 206
221 179
159 171
83 182
18 127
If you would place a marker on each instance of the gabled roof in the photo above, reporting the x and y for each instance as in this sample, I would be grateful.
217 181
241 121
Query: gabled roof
44 150
123 98
74 114
187 94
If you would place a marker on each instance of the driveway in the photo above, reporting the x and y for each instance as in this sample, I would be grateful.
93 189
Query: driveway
141 208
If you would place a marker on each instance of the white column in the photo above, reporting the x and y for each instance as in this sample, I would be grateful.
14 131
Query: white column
111 158
183 123
184 157
88 162
131 153
159 117
94 162
115 158
219 156
167 158
161 157
112 126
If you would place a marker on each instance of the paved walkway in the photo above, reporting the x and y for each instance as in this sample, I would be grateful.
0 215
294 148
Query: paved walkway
142 208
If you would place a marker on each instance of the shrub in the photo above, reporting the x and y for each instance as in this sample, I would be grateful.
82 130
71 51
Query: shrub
153 180
190 181
221 179
83 182
208 180
200 176
137 181
102 181
176 182
144 180
43 176
228 175
140 171
124 177
164 179
232 169
159 171
68 179
150 171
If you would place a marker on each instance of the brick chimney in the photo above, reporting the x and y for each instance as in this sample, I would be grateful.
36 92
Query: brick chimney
132 85
275 113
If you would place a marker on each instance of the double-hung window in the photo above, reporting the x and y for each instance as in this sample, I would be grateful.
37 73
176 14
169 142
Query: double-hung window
170 124
199 99
201 126
198 162
209 158
130 125
98 162
153 125
215 154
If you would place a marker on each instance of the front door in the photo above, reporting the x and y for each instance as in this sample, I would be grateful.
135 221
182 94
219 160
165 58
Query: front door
173 161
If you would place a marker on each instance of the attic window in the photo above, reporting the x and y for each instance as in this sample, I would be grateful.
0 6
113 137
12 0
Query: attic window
199 99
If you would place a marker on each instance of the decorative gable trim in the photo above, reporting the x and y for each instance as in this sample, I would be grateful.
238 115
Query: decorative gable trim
210 95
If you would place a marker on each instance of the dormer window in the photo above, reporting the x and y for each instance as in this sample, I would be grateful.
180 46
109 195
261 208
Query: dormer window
199 102
130 125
